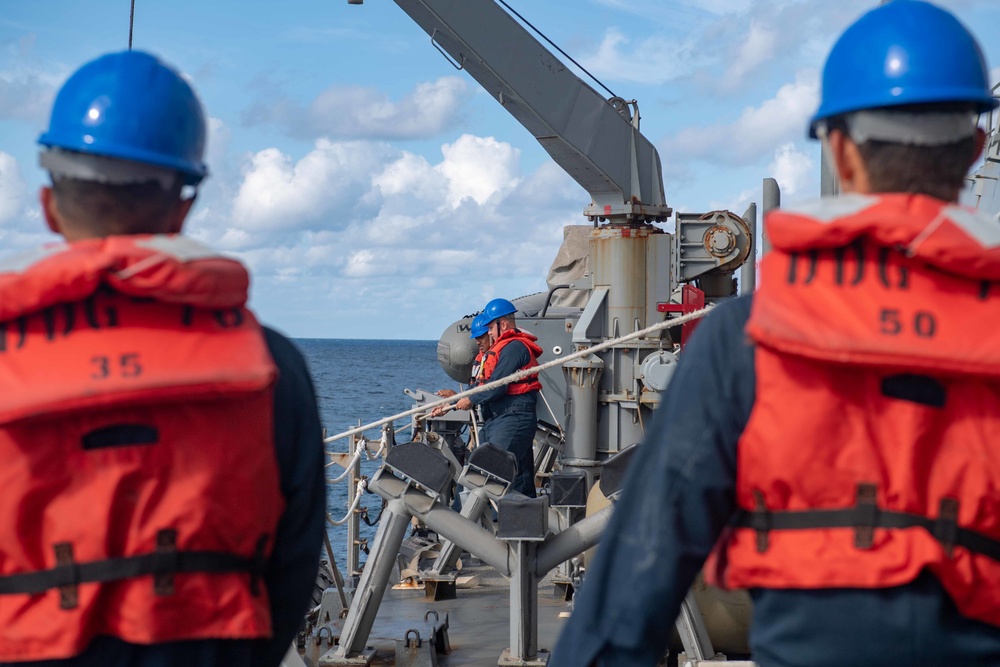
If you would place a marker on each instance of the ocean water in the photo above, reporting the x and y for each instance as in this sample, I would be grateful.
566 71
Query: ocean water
364 380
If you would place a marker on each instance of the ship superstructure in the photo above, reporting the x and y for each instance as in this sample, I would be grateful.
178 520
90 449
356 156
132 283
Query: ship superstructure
613 321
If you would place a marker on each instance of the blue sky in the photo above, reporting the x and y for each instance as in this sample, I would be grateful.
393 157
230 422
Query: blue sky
375 191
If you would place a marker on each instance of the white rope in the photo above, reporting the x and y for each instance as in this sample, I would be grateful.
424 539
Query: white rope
362 486
362 447
514 377
555 420
384 445
354 459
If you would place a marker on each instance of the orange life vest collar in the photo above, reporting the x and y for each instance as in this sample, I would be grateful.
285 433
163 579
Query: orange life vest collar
524 385
166 267
901 282
945 236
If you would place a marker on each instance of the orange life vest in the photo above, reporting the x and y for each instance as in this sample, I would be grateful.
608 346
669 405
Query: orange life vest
524 385
141 489
476 377
873 448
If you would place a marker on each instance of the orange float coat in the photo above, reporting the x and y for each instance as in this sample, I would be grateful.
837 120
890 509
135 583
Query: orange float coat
524 385
476 377
141 490
873 448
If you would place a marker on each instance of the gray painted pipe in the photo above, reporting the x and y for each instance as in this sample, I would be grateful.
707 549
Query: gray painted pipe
573 541
446 522
828 183
770 201
374 577
471 536
748 272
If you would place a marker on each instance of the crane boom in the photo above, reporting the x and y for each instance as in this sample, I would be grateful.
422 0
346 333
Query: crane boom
584 133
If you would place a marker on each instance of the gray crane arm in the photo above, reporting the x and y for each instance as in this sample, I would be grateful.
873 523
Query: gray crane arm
582 131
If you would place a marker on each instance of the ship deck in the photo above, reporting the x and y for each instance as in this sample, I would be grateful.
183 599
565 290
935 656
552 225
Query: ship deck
478 622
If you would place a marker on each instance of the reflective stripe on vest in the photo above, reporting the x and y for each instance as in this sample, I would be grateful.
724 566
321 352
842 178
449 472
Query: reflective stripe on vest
872 452
136 432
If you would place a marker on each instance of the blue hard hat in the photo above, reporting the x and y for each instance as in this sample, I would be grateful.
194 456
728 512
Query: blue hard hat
131 106
904 52
479 326
497 308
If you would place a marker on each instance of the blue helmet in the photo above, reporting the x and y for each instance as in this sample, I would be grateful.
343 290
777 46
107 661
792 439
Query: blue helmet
479 326
131 106
497 308
904 52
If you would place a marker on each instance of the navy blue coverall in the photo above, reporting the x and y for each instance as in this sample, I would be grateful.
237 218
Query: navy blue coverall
680 494
292 568
510 418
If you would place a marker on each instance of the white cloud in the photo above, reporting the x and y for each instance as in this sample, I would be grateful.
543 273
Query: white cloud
362 112
757 129
357 225
26 94
411 176
381 262
653 60
21 224
13 191
758 47
219 138
321 188
721 45
27 87
720 6
479 167
793 169
737 204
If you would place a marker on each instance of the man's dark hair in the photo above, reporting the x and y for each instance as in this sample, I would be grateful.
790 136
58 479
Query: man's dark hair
136 208
937 171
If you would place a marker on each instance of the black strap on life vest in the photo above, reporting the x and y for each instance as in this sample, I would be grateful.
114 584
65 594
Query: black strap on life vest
162 564
525 382
864 517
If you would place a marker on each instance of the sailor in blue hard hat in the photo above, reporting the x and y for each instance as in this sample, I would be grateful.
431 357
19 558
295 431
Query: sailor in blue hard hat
183 427
479 327
124 119
907 74
496 309
509 410
830 442
479 332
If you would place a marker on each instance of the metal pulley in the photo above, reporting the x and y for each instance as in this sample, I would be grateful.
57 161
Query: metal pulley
718 241
657 369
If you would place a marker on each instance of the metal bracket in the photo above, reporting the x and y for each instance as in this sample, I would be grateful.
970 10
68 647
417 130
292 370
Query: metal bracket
692 630
541 659
591 323
705 242
451 61
439 631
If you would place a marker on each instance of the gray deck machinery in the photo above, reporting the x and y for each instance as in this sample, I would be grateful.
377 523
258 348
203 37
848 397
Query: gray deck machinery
619 274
